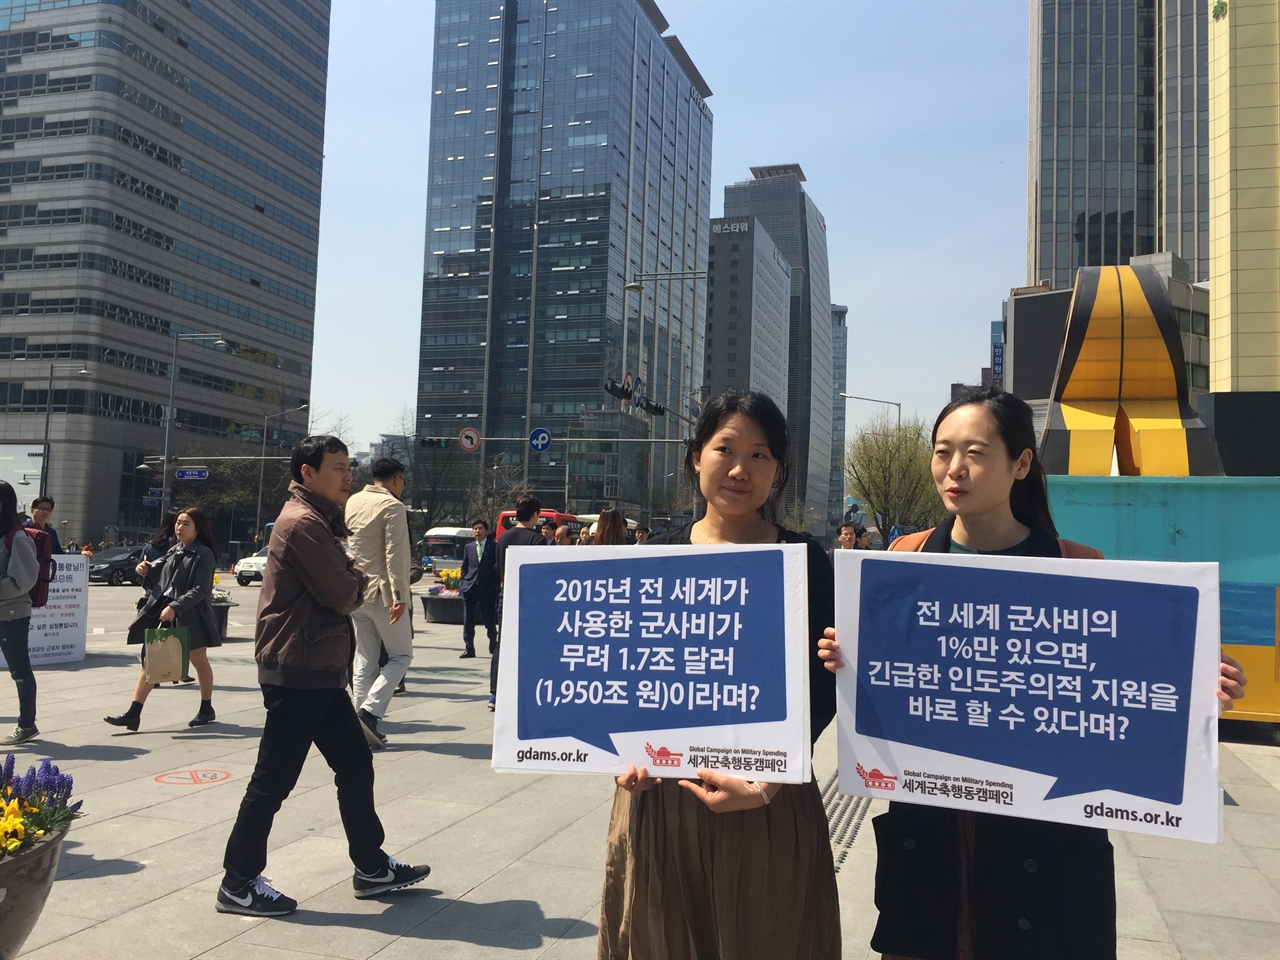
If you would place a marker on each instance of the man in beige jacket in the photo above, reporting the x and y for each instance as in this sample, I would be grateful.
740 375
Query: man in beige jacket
379 542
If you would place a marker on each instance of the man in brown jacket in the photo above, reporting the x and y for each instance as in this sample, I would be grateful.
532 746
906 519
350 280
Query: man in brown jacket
304 646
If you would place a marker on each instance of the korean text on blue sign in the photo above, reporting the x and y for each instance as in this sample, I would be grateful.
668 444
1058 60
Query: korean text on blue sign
1084 680
651 643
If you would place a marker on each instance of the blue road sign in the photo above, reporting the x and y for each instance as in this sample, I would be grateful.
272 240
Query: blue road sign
540 439
153 492
997 359
637 392
150 502
191 473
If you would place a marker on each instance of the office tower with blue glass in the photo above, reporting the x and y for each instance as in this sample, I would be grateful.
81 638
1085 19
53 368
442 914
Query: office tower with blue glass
748 311
839 373
160 170
776 198
1118 161
570 153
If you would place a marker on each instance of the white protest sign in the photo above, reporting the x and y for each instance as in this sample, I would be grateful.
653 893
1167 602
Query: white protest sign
677 658
1073 691
57 632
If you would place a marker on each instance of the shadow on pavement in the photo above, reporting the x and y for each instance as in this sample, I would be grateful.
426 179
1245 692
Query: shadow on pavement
468 751
72 864
220 731
1249 731
58 752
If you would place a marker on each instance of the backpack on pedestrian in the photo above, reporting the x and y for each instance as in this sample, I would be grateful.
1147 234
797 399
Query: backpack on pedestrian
44 556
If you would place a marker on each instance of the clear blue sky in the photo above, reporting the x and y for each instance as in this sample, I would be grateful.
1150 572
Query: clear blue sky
909 118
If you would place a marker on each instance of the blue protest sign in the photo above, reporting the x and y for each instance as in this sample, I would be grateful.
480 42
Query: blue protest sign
664 657
1034 688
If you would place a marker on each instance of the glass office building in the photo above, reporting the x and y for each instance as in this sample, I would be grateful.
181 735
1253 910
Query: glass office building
839 372
1118 146
570 151
160 168
775 197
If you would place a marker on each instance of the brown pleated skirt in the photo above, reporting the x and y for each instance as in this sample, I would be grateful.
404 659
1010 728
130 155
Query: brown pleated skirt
683 883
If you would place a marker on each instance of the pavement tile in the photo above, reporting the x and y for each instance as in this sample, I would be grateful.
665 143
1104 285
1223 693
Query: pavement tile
1262 760
446 941
1130 949
53 927
244 950
1218 938
1253 829
579 943
1267 862
1210 890
504 901
1137 913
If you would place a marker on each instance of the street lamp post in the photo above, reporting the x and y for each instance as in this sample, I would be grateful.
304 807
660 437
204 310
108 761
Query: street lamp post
83 370
637 286
896 471
262 462
218 341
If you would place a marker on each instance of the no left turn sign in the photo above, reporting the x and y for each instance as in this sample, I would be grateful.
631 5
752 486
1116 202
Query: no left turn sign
469 439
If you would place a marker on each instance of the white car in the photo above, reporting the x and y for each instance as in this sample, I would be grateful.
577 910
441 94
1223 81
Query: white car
250 568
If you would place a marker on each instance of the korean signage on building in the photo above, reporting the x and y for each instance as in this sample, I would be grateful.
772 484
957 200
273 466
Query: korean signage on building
674 658
1073 691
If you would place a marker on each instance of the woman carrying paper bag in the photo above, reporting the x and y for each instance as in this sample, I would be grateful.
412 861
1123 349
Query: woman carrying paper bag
182 600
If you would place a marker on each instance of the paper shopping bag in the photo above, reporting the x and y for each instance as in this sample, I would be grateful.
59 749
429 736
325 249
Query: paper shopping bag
164 654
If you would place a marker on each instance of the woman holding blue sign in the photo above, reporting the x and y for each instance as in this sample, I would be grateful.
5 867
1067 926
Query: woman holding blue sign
955 884
720 866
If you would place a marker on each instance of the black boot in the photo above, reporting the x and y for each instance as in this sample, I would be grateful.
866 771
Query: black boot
204 715
130 718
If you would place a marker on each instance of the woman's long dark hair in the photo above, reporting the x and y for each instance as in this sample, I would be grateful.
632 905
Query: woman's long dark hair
1029 498
8 508
204 529
164 533
760 408
611 528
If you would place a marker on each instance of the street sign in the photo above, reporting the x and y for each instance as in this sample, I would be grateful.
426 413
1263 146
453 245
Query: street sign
997 360
540 439
150 501
191 473
637 392
153 492
469 439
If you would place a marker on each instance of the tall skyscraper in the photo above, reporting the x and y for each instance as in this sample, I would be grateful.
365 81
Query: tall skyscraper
777 200
748 311
1118 145
839 373
570 152
160 169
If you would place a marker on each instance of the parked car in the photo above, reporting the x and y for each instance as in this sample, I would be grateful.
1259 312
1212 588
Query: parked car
249 569
116 566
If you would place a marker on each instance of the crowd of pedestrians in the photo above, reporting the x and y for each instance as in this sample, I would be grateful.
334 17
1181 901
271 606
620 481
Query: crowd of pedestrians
717 866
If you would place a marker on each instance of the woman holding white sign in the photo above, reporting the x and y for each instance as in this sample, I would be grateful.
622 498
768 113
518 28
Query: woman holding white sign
720 866
955 884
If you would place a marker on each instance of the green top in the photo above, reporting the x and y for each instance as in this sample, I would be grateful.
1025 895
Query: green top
1017 550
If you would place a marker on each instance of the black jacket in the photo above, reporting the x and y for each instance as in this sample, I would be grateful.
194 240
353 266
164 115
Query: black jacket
479 576
1041 891
190 573
822 614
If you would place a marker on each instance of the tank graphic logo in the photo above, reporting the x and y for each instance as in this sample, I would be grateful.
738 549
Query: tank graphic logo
662 757
876 780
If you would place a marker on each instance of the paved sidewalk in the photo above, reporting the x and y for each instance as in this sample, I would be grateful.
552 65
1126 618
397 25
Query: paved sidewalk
517 859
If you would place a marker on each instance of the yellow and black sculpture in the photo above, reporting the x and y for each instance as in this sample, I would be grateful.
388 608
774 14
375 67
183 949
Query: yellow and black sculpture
1121 384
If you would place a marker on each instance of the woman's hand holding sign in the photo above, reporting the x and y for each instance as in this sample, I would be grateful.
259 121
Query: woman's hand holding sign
829 650
637 781
724 794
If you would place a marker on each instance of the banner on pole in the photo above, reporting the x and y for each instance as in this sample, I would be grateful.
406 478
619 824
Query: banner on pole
675 658
1073 691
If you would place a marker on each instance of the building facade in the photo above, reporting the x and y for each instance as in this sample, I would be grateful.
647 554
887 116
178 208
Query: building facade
160 169
1118 135
570 152
777 200
748 311
839 373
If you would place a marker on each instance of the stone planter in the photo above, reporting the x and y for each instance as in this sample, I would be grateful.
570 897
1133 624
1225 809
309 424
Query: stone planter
220 611
442 609
25 882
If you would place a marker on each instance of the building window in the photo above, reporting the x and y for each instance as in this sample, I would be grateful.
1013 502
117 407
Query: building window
1198 375
731 372
733 309
733 341
733 248
733 263
733 278
1199 324
732 357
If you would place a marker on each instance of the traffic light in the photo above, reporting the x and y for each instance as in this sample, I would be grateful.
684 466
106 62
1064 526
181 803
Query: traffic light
652 407
434 442
615 389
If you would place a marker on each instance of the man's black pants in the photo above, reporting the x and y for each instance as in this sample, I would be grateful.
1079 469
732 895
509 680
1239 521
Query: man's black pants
295 720
481 606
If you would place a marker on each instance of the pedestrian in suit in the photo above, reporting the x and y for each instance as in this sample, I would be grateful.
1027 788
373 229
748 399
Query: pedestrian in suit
479 588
